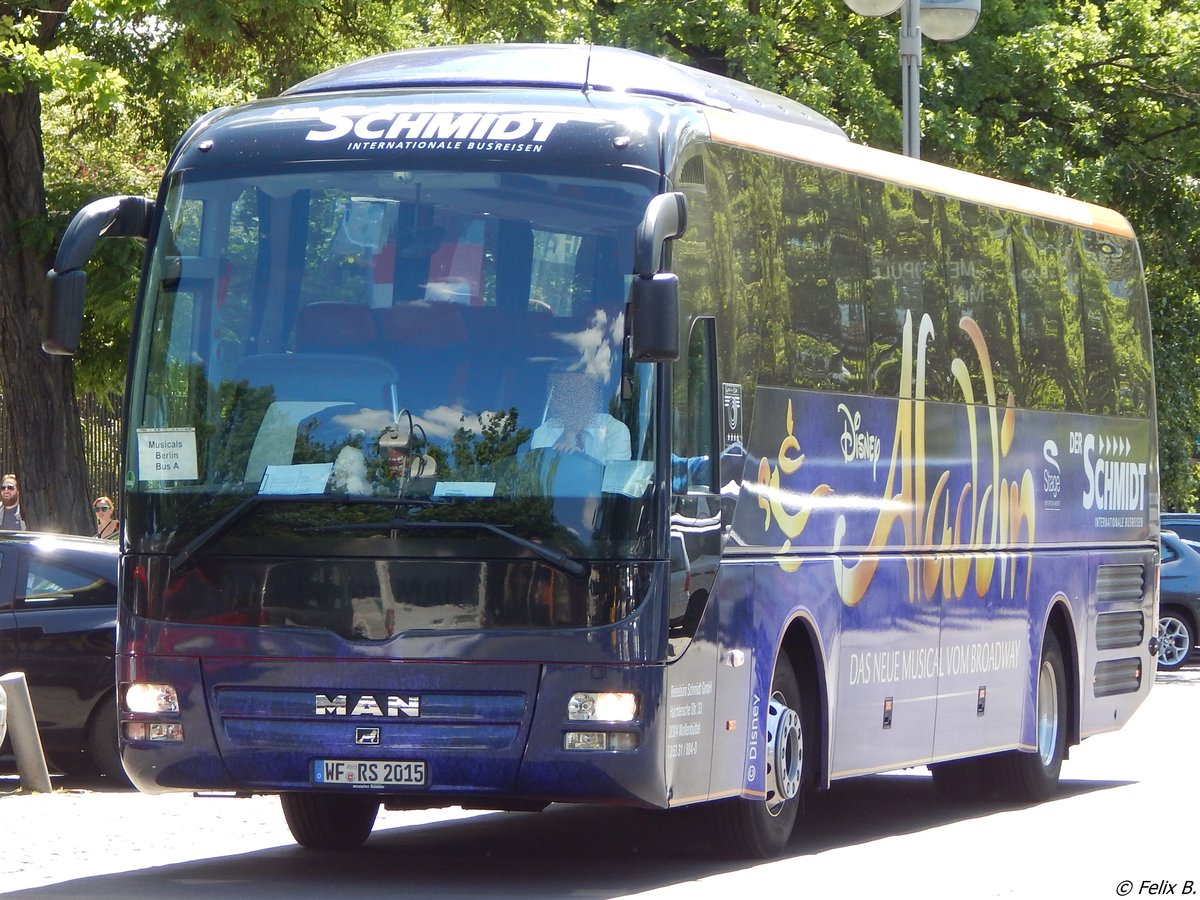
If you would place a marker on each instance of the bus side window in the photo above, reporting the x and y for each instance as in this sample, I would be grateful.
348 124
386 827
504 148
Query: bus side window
1048 286
981 287
1119 370
906 283
695 442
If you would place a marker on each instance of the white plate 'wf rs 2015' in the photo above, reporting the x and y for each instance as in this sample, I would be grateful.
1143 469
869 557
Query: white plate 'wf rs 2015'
369 772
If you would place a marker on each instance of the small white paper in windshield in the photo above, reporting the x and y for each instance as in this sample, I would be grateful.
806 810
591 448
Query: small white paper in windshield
464 489
628 477
308 478
167 454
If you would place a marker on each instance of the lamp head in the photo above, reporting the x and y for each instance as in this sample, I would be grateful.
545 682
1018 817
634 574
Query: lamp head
874 8
948 20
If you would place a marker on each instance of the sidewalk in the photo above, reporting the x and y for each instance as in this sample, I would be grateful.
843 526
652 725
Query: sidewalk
84 830
73 833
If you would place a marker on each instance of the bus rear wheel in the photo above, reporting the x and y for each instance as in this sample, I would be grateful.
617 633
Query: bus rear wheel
1033 777
761 828
329 821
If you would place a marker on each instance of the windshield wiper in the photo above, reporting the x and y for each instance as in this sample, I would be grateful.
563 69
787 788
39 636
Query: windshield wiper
240 510
552 555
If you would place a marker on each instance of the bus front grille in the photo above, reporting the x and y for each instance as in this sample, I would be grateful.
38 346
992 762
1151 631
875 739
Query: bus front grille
384 720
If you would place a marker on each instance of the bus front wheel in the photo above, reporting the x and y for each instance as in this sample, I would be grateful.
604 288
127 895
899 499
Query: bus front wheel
329 821
761 828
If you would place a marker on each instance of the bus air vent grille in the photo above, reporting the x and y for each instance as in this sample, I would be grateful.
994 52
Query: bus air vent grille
1126 583
693 171
1120 629
1117 676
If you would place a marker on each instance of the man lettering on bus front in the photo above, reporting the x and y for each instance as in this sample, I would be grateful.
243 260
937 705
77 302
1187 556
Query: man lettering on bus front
574 422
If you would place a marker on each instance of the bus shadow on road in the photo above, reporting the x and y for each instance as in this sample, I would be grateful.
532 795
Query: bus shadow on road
556 853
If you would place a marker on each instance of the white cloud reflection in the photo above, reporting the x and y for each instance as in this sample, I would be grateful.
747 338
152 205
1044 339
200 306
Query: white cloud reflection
597 345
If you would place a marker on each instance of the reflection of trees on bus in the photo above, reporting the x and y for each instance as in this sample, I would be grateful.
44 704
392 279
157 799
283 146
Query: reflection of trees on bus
810 274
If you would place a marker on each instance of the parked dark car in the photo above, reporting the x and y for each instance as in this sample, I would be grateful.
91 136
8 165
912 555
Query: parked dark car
58 607
1179 600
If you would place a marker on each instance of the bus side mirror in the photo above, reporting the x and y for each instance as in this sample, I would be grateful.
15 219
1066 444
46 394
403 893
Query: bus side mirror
62 319
654 295
62 315
654 304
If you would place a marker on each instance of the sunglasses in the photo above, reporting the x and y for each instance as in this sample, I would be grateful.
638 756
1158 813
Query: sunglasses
102 508
8 487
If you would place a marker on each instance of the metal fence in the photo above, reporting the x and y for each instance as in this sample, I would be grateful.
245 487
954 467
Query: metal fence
101 423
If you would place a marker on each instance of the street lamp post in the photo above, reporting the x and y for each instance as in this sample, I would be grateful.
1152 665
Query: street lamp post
910 76
942 20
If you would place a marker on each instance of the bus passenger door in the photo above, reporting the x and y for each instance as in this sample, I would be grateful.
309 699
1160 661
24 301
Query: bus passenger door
695 544
695 500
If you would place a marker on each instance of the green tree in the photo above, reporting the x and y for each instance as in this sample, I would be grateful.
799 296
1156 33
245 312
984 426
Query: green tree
93 94
1097 100
48 447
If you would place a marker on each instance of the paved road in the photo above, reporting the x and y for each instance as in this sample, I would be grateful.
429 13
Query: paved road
1124 814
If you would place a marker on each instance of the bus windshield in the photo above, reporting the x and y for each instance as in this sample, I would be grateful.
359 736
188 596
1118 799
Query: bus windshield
391 351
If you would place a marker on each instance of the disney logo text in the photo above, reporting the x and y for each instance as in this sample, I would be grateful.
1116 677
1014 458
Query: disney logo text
857 444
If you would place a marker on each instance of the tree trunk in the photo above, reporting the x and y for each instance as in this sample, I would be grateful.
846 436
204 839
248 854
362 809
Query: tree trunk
39 390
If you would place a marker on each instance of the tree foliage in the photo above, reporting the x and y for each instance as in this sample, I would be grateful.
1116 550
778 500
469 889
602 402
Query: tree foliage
1099 100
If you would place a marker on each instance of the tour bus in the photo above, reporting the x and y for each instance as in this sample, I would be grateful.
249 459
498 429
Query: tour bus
527 424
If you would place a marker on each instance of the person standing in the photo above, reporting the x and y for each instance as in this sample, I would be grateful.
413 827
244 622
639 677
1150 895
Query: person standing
10 505
107 526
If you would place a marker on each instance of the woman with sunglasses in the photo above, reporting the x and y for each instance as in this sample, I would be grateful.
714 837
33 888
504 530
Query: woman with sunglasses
107 526
10 505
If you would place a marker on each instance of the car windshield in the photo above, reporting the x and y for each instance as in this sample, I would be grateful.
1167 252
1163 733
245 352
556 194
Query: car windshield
363 349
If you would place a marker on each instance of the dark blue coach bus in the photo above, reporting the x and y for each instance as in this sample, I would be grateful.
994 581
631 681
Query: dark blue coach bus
510 425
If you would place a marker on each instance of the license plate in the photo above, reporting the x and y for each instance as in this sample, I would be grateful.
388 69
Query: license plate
369 772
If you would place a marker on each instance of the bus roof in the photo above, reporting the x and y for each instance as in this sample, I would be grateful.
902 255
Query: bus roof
869 162
737 113
580 67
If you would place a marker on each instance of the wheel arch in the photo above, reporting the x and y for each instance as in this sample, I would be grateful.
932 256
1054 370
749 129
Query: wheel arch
803 648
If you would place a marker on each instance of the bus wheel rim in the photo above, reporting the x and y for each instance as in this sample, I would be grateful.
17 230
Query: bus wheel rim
1047 712
785 753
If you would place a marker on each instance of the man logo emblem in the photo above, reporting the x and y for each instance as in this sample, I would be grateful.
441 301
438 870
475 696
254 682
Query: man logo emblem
366 736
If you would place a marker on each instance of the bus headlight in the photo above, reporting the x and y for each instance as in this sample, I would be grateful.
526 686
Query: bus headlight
588 706
151 698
